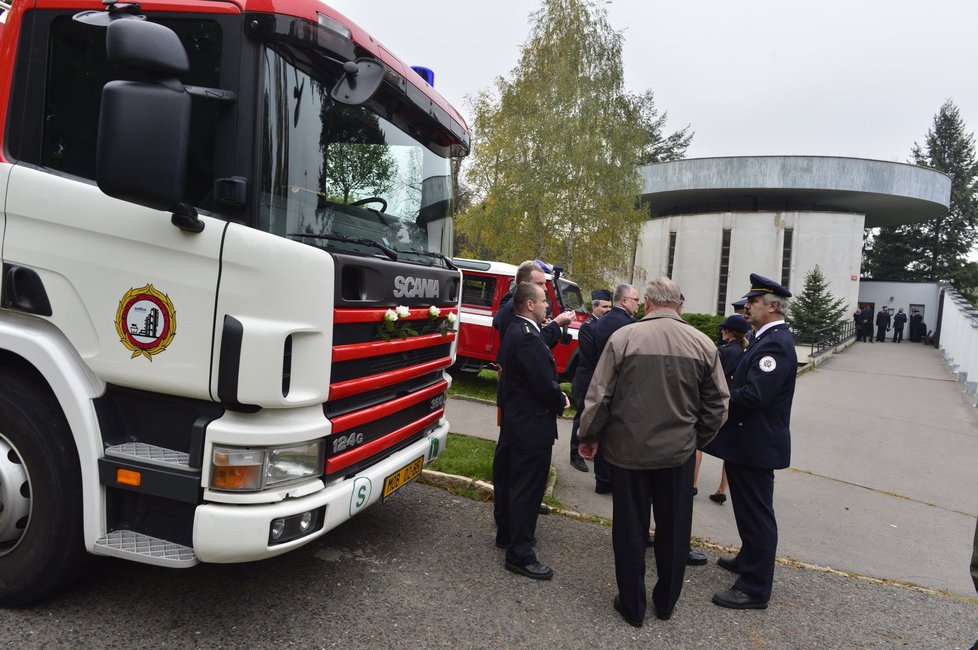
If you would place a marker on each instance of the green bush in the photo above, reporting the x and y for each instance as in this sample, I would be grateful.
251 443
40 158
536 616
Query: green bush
706 323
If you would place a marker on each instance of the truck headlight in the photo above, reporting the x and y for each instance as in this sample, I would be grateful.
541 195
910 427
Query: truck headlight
251 469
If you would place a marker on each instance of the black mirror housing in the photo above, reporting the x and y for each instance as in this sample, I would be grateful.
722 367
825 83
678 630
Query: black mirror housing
144 127
143 137
146 46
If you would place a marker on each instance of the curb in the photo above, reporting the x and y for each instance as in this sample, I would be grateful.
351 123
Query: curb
484 488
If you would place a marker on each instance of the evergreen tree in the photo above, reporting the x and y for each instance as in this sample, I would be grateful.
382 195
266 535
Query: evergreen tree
936 249
556 150
815 307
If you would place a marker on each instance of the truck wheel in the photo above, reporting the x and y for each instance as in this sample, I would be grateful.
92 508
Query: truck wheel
41 540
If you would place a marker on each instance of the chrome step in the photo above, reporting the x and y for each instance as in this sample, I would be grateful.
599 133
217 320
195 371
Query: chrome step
148 453
130 545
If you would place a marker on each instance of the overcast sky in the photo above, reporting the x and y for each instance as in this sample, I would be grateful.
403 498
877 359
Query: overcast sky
859 78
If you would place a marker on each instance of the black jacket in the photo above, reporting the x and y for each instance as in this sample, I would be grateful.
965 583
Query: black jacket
528 392
757 431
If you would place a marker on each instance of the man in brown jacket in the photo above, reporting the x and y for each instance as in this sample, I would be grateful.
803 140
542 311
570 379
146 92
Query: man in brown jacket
658 393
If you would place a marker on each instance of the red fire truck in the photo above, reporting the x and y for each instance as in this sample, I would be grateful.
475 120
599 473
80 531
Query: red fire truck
483 286
227 300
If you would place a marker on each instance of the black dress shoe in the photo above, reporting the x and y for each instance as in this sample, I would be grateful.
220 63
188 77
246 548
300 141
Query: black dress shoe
601 488
631 621
696 491
733 599
579 464
728 564
533 570
695 558
718 497
544 509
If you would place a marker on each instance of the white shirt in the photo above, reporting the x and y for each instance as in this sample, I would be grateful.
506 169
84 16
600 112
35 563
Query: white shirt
767 327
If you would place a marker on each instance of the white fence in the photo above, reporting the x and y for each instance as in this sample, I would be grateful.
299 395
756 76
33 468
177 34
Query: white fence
959 338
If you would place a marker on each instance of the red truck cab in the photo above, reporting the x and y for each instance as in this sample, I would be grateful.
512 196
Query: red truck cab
484 284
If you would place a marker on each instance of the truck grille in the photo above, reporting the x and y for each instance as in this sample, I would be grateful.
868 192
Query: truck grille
383 392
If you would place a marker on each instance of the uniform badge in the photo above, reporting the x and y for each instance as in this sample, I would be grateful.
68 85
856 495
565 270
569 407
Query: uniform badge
146 321
767 364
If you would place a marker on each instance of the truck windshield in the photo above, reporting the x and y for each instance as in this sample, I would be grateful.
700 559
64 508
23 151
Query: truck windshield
344 178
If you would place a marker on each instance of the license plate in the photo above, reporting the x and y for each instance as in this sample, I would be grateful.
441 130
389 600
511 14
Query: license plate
402 477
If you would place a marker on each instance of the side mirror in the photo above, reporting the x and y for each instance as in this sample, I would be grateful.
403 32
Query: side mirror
144 127
360 80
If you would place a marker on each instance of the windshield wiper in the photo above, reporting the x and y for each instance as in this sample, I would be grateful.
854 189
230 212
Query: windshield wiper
389 252
437 256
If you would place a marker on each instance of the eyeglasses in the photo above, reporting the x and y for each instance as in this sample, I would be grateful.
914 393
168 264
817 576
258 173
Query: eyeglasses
630 298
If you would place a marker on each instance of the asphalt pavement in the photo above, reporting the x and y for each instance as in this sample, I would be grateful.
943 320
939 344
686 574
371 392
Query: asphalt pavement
881 483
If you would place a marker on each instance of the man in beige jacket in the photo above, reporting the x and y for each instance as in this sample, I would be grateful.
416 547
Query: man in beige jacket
658 393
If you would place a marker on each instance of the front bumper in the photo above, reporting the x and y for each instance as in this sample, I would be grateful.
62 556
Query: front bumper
239 533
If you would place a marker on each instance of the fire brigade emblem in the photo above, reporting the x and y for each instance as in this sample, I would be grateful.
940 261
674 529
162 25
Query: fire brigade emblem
146 321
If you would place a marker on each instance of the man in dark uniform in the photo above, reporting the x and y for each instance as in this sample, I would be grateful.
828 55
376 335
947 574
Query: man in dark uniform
586 361
882 324
531 401
899 320
916 319
756 440
867 330
621 314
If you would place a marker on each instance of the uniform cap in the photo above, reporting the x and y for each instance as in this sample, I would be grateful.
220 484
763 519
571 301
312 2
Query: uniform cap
600 294
759 285
735 323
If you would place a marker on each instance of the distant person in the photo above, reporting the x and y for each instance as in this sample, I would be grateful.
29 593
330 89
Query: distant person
882 324
916 318
734 330
587 359
650 451
867 323
857 320
756 440
899 320
531 401
622 313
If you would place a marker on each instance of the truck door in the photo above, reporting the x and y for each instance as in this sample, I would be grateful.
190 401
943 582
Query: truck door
132 293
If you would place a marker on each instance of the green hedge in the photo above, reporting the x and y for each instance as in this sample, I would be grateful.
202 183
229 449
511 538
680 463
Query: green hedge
706 323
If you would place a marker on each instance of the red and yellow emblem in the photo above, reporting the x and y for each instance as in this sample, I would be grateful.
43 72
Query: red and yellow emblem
146 321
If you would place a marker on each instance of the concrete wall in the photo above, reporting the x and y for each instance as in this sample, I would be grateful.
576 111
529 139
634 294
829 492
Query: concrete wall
831 240
903 294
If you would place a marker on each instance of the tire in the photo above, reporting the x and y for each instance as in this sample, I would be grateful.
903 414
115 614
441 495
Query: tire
41 536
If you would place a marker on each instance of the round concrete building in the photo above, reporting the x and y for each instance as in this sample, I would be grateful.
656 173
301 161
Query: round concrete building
714 221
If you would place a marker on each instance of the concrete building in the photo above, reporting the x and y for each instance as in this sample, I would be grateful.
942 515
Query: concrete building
714 221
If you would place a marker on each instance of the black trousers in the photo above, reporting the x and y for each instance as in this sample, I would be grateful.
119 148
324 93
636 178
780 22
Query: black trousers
574 440
752 494
880 333
671 493
897 334
519 479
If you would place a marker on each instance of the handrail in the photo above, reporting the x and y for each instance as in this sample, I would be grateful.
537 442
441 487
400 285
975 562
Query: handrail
827 337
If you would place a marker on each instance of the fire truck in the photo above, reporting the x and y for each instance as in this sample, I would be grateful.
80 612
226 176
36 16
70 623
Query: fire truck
227 302
484 284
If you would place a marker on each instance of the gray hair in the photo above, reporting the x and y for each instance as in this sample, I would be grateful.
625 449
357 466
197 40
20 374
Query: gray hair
665 292
622 291
770 298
